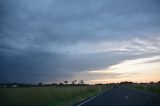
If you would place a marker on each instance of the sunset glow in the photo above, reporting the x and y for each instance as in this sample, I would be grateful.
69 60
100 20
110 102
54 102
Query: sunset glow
138 70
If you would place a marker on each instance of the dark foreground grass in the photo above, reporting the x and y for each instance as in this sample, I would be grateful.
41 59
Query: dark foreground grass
46 96
155 89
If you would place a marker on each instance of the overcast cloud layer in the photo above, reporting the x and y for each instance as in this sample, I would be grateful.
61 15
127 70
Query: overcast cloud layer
56 40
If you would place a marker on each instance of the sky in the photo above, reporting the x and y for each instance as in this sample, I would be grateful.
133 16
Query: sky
98 41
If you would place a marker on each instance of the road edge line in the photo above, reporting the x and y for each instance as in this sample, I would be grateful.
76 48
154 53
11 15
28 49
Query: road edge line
126 97
90 99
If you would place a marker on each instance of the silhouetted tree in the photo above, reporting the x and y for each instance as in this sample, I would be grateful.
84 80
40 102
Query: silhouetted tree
81 82
40 84
151 82
61 84
66 82
74 82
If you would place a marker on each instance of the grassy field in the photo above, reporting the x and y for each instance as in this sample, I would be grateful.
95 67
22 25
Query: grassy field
46 96
155 89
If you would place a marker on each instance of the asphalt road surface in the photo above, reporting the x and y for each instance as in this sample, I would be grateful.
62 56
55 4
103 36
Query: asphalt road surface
121 96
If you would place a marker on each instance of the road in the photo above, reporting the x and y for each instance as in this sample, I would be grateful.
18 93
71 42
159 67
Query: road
122 96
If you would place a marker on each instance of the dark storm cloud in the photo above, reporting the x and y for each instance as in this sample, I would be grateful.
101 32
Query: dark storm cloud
31 33
71 21
39 66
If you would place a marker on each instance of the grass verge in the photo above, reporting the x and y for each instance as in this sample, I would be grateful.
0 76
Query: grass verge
46 96
155 89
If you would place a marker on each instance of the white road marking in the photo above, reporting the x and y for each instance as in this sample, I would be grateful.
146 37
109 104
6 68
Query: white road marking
88 100
126 97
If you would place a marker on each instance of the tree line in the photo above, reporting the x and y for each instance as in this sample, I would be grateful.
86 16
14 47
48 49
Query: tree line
72 83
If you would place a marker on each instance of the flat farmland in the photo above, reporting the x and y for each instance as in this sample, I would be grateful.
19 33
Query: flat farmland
46 96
